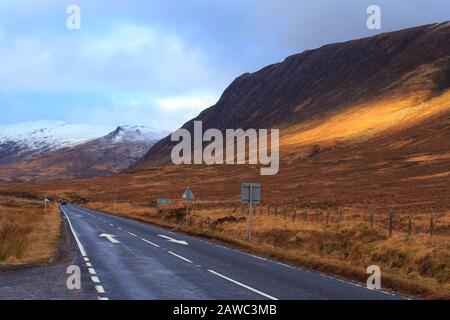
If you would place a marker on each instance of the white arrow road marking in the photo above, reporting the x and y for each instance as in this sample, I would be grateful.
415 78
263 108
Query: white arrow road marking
110 237
184 243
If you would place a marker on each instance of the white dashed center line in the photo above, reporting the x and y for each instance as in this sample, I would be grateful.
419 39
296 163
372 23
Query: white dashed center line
132 234
149 242
180 257
242 285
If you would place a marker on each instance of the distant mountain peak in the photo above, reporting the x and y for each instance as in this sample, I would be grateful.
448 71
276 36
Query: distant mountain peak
29 139
135 133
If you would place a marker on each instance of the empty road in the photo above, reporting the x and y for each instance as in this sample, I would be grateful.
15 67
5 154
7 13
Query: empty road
125 259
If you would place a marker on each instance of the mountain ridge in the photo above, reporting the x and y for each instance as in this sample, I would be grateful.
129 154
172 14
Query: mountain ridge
100 156
311 85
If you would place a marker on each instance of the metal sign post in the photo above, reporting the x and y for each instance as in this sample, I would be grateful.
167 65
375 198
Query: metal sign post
251 194
188 196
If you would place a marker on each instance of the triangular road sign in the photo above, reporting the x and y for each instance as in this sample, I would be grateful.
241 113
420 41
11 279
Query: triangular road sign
188 195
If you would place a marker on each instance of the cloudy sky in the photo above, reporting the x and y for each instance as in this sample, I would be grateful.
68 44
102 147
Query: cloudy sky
160 62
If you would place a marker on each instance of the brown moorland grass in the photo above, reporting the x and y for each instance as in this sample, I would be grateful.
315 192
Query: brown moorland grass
27 235
418 266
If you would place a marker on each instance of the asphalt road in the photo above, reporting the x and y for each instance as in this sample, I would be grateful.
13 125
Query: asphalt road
129 260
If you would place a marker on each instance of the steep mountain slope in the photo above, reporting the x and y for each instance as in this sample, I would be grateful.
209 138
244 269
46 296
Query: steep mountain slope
110 154
23 140
366 86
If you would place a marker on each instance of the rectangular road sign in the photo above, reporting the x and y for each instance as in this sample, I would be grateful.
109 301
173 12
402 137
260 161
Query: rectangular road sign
163 202
256 193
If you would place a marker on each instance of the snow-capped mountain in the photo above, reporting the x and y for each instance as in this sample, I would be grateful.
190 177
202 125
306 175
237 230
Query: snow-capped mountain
27 139
56 150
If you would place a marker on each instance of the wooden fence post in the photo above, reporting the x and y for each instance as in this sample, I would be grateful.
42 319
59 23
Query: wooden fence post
341 214
410 217
390 216
294 214
431 224
372 214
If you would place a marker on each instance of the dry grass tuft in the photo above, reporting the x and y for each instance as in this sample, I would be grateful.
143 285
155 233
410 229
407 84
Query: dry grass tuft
26 234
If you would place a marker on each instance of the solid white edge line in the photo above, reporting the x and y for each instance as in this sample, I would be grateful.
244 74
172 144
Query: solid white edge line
80 246
180 257
149 242
243 285
94 278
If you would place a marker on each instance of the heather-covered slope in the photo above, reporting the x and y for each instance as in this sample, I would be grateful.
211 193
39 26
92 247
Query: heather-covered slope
385 78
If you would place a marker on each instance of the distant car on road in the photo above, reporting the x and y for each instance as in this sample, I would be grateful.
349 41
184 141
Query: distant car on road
63 203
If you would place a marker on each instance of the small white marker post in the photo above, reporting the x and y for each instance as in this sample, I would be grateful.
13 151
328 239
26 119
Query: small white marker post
45 204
